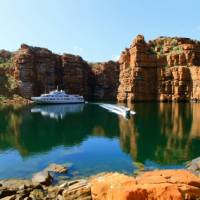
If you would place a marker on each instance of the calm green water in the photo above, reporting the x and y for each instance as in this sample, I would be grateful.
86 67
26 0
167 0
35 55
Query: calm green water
89 139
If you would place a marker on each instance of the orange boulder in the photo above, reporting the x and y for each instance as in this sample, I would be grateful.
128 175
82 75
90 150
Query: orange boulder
159 185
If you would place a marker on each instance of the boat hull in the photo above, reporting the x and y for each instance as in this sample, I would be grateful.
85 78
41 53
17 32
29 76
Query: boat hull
40 101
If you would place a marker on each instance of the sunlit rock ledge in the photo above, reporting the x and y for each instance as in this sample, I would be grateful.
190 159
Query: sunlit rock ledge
158 184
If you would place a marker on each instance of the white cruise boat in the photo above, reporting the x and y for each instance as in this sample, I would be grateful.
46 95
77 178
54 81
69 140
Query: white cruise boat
58 97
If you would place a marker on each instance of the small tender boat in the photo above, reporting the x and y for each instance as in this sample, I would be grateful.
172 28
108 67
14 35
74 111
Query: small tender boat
120 110
58 97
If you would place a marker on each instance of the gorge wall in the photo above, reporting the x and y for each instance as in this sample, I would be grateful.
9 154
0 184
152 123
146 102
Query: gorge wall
40 70
164 69
36 70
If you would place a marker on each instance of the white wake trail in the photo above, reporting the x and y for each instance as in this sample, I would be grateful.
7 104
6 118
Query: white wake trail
118 109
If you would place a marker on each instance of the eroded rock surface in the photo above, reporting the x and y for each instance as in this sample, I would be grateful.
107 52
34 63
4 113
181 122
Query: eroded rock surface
53 167
105 80
159 185
39 70
24 189
194 166
163 184
165 69
42 177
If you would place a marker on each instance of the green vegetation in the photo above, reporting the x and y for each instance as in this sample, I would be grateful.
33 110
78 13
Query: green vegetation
6 64
12 84
177 49
8 84
2 97
158 46
173 42
94 64
151 50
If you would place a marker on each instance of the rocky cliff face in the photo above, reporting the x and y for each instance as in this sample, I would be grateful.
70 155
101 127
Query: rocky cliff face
77 75
8 85
105 80
165 69
40 70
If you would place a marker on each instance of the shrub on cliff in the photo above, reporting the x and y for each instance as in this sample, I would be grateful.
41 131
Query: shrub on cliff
6 64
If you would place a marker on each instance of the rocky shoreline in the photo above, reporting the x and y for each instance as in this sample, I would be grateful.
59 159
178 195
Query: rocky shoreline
157 184
15 100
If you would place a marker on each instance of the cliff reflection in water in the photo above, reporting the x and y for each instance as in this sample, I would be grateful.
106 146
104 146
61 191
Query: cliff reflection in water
21 129
164 133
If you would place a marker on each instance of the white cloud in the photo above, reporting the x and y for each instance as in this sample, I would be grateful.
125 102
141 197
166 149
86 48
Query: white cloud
77 50
115 57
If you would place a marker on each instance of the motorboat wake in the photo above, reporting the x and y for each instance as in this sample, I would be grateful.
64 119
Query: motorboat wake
118 109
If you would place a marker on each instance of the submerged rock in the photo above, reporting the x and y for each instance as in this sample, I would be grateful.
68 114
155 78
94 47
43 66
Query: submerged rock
56 168
42 177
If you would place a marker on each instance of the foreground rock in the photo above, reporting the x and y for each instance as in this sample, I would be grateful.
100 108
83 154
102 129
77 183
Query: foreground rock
23 189
56 168
163 184
42 177
194 166
154 185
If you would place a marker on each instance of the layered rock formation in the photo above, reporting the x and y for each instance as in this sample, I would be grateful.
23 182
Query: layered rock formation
76 75
165 69
40 70
138 73
105 80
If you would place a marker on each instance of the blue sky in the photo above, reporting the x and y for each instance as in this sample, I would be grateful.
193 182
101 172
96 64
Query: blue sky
98 30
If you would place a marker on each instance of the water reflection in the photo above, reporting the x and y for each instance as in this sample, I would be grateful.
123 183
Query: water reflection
21 129
57 111
167 134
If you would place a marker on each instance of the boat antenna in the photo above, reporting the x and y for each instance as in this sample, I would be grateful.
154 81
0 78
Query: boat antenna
57 87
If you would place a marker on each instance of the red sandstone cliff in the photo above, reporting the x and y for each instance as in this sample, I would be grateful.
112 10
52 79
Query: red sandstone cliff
40 70
105 80
162 69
